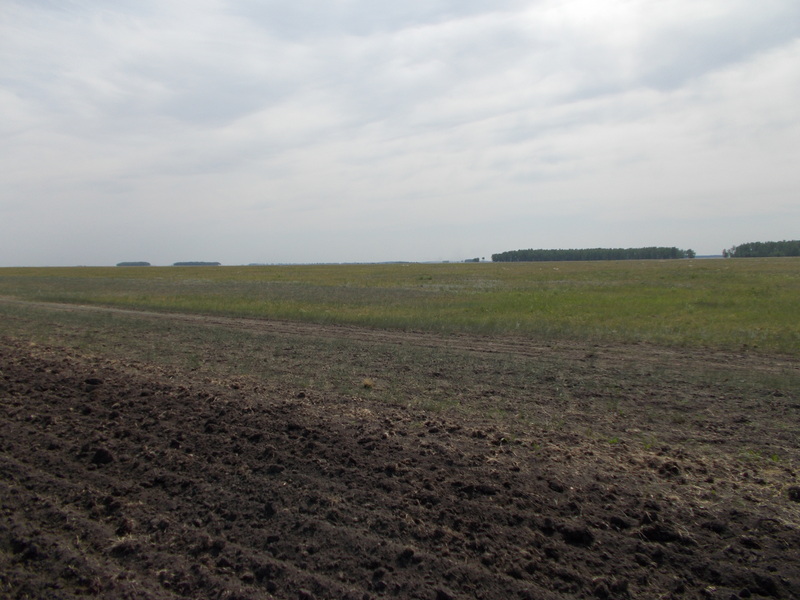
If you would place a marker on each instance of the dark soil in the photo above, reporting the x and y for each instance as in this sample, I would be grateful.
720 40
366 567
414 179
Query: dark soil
134 480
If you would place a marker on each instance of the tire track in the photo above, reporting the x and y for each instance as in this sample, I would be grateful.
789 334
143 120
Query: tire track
638 353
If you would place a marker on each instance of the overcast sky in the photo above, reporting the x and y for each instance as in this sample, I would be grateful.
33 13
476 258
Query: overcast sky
247 131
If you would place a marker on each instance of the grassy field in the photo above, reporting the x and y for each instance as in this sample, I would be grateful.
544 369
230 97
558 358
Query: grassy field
539 396
725 304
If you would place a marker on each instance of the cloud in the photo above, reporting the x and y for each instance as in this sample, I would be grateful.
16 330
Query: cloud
450 124
309 20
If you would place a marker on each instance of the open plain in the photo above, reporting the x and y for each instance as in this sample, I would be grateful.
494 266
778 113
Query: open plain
157 453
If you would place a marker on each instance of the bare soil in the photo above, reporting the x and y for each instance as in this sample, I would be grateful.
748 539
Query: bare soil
136 479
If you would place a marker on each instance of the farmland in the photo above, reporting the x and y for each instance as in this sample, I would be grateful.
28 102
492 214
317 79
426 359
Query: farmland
569 430
701 303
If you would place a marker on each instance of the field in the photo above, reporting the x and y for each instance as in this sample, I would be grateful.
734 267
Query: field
716 303
560 430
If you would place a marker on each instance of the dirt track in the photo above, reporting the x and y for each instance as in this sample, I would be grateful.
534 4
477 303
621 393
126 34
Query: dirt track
520 346
133 480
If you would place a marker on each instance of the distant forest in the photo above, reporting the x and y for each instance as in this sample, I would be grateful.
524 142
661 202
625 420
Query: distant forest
592 254
138 263
764 249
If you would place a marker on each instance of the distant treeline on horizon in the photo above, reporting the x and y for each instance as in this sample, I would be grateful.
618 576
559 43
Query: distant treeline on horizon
764 249
748 250
653 252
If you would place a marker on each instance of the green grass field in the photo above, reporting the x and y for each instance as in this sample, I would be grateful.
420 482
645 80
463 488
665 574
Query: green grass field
716 303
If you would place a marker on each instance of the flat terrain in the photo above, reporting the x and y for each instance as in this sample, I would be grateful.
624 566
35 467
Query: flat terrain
731 304
149 455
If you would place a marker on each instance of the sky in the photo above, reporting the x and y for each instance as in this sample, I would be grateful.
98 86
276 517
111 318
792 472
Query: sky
259 131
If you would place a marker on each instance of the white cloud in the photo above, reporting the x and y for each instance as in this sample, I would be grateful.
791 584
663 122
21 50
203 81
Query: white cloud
400 131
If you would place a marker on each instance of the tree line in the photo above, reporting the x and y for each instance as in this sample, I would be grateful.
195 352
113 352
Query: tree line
764 249
653 252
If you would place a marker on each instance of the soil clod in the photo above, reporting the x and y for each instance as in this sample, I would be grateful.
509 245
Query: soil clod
203 489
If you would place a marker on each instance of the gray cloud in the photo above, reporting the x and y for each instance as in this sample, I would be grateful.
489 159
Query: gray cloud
354 131
685 49
307 19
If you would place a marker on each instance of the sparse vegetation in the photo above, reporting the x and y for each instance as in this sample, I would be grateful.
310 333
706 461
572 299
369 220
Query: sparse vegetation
694 303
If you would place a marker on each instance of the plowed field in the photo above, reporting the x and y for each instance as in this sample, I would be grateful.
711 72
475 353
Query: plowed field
124 478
